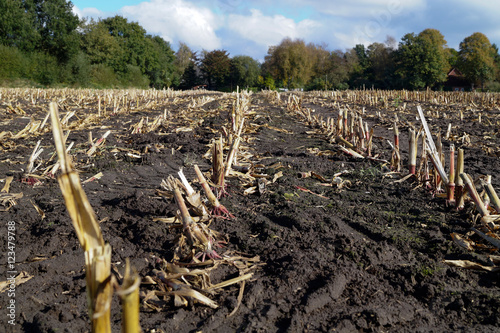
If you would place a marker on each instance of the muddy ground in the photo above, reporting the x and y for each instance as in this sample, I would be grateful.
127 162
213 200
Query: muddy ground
367 257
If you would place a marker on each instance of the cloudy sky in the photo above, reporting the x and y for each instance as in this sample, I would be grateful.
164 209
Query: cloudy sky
250 27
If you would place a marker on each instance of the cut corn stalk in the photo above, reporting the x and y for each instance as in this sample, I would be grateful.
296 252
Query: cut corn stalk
6 187
459 186
218 169
493 241
129 295
396 157
491 193
97 253
344 141
437 177
183 290
34 155
351 152
230 281
413 152
370 143
192 197
231 157
92 149
218 208
8 200
471 188
436 161
451 184
435 158
471 265
461 242
94 177
199 238
38 210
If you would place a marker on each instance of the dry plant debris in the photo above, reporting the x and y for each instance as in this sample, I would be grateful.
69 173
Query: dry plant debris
359 137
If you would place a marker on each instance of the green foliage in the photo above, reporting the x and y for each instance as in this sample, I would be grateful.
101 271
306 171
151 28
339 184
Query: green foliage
266 83
12 63
160 63
493 86
244 71
16 28
381 66
43 68
100 46
190 76
290 63
359 73
477 58
125 47
44 42
56 23
103 76
452 57
269 83
216 66
130 39
133 78
423 59
183 58
77 71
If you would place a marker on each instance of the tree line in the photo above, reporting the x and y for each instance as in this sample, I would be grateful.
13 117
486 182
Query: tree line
42 42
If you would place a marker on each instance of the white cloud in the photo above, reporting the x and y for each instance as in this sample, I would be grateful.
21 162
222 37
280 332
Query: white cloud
360 9
177 20
89 12
269 30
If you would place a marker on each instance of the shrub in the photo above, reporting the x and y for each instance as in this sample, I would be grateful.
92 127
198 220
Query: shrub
133 77
12 63
42 68
102 76
77 71
492 86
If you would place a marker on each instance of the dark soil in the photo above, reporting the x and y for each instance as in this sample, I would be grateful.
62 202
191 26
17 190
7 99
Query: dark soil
367 258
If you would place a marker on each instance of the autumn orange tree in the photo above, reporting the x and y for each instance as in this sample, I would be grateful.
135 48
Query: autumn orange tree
476 58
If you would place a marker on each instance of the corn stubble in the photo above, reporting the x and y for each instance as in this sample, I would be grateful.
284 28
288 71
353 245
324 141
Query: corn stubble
97 252
459 188
197 253
199 250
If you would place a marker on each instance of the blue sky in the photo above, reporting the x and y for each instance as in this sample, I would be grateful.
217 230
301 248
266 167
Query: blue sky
244 27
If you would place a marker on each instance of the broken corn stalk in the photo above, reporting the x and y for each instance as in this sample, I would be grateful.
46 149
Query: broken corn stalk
129 295
97 253
435 158
218 208
218 171
474 195
491 193
459 186
413 152
197 237
451 184
192 197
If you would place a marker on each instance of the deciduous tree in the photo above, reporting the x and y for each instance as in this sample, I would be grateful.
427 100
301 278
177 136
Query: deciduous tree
182 60
216 66
56 23
244 71
423 59
17 27
289 63
476 58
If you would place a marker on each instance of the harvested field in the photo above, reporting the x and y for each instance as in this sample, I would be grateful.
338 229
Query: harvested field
334 242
